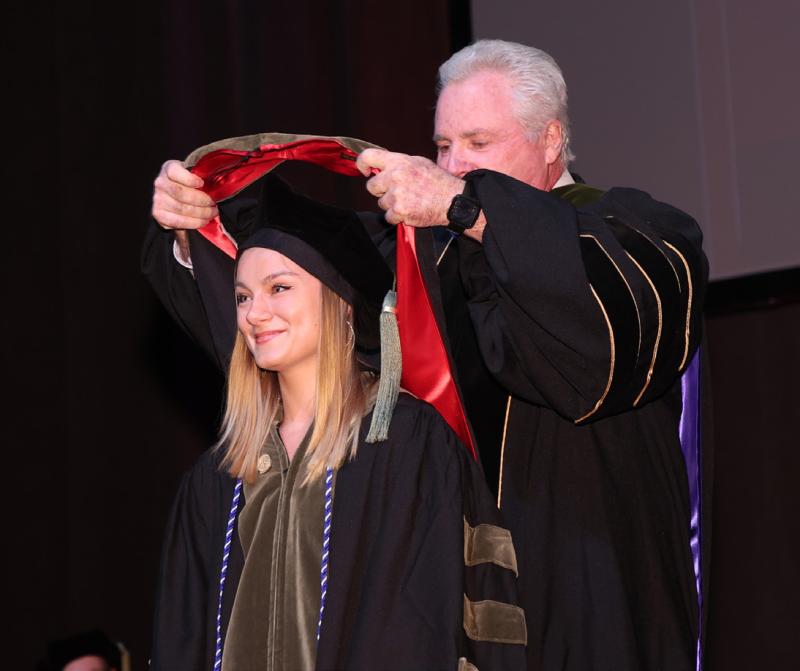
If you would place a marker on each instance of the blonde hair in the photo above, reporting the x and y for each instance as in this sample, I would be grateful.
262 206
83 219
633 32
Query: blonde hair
343 396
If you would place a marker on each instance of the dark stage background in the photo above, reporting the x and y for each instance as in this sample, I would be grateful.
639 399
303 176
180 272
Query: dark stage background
108 402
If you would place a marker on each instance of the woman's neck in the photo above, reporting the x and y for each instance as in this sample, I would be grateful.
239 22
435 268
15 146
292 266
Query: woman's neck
298 395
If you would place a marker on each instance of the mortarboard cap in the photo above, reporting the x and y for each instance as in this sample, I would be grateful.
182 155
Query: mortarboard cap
332 245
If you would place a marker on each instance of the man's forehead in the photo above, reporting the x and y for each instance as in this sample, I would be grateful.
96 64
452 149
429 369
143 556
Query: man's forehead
479 104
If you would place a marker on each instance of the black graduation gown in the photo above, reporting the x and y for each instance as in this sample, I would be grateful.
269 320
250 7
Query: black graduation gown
584 318
397 575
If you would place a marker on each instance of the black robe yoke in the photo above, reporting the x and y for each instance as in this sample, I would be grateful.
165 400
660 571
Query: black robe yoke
405 590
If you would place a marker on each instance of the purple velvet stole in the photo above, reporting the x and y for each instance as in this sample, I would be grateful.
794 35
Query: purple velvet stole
690 445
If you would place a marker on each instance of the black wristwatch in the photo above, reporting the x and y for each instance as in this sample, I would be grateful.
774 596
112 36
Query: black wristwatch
464 210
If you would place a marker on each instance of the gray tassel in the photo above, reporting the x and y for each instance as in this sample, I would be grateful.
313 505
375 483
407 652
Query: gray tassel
391 370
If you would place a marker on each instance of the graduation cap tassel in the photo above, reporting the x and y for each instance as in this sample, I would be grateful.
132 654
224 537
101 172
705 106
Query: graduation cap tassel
391 370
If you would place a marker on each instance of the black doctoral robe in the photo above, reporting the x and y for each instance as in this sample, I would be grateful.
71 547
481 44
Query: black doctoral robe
421 574
584 316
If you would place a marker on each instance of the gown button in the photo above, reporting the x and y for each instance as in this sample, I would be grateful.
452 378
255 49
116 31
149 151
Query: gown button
264 463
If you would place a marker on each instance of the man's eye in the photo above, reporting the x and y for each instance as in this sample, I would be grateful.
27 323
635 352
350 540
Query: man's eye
443 148
478 145
241 298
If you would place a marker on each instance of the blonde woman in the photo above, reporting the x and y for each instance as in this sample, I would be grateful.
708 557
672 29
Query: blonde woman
297 544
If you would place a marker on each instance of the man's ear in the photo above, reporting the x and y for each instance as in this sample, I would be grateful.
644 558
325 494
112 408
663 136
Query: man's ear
553 141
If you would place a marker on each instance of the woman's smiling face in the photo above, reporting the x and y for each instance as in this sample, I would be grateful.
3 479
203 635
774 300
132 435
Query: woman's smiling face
278 309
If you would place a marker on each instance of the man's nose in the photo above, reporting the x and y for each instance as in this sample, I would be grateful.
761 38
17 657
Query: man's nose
456 163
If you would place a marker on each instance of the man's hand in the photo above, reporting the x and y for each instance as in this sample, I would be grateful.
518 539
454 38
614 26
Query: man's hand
410 189
178 203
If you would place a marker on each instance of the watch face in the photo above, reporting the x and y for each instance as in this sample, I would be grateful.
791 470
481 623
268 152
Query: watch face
463 212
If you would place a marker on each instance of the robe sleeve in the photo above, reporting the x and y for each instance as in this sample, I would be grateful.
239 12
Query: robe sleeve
590 311
186 604
175 287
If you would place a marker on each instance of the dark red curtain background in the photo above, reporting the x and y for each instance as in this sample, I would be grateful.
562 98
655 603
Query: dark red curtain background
107 403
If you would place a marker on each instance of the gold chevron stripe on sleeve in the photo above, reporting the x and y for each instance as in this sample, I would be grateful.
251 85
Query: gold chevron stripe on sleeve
658 332
612 359
688 305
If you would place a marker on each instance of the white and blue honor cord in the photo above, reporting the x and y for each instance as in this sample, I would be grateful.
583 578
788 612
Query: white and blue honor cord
226 553
326 542
326 545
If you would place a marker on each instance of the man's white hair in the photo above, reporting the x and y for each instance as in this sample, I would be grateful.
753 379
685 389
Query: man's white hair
538 87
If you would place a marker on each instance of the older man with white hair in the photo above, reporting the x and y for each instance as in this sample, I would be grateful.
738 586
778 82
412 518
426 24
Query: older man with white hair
572 319
586 307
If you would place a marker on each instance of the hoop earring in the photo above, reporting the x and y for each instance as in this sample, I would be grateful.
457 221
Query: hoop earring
351 337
